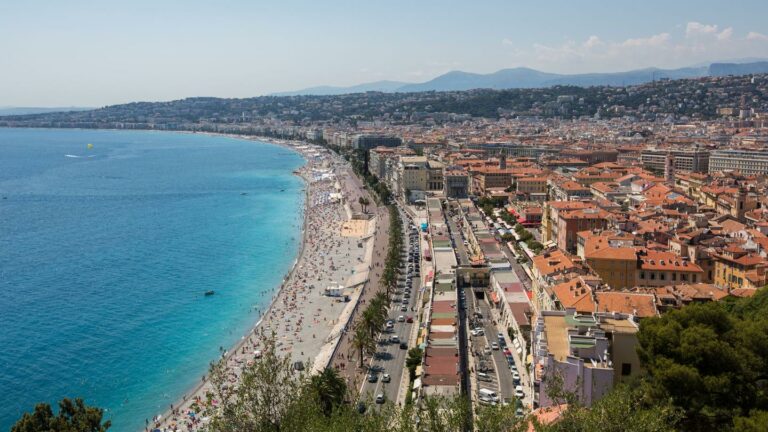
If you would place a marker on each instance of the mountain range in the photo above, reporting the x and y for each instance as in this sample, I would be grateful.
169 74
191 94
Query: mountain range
522 77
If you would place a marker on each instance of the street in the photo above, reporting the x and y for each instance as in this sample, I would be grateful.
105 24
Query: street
390 358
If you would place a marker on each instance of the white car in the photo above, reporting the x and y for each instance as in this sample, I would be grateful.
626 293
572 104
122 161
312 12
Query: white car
386 378
495 346
519 392
401 318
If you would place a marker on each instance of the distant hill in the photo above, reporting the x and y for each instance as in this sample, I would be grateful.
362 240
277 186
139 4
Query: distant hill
380 86
530 78
11 111
723 69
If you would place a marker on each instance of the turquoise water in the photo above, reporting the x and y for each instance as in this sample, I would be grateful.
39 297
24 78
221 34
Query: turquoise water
105 255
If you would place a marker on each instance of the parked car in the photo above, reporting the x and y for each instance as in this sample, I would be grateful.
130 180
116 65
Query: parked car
403 345
395 339
494 346
409 319
519 391
401 318
386 378
380 398
372 377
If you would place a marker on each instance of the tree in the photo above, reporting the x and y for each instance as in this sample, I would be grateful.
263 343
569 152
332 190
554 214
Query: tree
263 399
413 360
621 410
73 416
710 360
362 341
329 389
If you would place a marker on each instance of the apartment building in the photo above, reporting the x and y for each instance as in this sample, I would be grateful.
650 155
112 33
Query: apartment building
550 214
369 141
733 267
747 162
418 175
583 353
695 160
570 222
567 190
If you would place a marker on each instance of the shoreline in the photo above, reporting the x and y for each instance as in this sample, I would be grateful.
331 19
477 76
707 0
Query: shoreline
292 286
229 353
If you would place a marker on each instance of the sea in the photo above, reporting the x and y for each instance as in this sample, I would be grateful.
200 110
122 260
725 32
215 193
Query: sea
109 241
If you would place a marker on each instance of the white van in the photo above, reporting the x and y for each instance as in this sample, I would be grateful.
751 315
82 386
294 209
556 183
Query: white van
488 395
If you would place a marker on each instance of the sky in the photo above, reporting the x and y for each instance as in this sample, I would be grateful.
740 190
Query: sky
96 53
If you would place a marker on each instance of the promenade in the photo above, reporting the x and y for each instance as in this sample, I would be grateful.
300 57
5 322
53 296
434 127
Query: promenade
346 359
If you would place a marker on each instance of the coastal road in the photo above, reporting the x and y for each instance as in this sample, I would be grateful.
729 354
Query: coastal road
390 358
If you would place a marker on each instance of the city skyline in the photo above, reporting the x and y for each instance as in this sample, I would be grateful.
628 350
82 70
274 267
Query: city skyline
95 54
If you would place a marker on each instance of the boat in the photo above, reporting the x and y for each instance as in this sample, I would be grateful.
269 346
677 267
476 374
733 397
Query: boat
243 193
210 293
282 190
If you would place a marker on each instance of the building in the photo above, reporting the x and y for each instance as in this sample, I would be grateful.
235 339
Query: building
550 214
528 186
419 175
369 141
568 190
455 183
583 353
696 160
570 222
733 267
747 162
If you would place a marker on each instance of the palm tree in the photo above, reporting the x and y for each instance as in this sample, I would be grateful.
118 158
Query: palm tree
362 341
329 388
373 318
363 204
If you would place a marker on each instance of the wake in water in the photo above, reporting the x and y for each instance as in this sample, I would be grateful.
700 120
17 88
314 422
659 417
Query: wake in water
78 157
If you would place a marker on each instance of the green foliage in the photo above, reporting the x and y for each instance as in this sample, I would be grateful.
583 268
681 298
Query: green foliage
73 416
710 360
413 361
329 389
757 421
621 410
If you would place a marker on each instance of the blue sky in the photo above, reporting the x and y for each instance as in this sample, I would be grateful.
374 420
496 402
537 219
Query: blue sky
93 53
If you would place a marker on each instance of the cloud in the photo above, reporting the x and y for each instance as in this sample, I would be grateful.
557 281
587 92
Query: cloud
651 41
755 36
694 29
725 34
509 42
689 44
593 41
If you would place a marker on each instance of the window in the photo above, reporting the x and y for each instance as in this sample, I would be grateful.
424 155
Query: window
626 369
642 275
662 276
653 276
674 276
